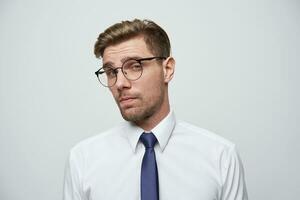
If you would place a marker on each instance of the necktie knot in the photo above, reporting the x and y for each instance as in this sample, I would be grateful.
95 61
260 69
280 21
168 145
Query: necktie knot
148 139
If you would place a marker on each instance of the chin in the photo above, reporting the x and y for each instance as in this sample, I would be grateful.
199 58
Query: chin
133 114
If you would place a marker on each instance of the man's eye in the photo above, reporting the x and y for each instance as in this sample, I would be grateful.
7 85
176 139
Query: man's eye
110 72
135 67
131 65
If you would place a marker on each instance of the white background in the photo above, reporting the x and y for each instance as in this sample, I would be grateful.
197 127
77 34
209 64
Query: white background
237 74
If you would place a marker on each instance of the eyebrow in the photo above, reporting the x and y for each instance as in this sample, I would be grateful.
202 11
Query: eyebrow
130 57
111 64
107 64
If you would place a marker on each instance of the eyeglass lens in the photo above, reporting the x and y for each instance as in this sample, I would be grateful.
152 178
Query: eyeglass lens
131 69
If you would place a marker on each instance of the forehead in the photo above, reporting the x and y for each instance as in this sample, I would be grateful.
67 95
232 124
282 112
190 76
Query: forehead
134 47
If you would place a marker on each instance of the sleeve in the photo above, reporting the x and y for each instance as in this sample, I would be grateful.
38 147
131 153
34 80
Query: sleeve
234 186
72 189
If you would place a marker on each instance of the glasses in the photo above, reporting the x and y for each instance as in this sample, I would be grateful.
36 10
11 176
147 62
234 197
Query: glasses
132 69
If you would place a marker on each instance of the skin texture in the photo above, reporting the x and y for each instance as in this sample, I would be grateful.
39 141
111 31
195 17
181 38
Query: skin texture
144 101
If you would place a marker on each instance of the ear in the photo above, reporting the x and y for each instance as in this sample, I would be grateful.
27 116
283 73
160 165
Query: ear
169 69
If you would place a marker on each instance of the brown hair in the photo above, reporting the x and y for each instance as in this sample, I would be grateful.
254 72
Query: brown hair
155 37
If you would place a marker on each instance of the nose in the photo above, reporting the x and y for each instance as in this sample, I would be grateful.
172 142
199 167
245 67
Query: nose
122 81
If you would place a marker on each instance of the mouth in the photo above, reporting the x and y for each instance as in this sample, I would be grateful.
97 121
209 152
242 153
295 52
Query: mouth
126 101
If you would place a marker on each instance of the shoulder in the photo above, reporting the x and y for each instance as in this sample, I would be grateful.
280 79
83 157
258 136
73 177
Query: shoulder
203 142
202 136
100 141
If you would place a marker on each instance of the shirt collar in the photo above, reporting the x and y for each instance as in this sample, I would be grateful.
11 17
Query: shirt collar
162 131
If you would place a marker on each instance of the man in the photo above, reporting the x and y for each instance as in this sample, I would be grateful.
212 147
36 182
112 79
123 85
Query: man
151 155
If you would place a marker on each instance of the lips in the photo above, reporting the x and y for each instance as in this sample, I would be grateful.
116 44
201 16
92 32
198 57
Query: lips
126 100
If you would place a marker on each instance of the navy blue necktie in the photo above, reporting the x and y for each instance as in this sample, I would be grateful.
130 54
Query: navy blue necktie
149 175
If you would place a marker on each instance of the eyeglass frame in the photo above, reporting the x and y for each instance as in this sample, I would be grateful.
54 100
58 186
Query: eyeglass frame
116 71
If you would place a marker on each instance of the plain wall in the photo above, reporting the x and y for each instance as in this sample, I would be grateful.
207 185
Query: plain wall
237 74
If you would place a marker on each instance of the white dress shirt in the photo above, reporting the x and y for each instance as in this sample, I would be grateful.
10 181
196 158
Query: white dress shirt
193 164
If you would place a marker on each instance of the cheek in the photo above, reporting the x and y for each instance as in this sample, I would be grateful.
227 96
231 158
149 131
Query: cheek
152 87
114 93
154 78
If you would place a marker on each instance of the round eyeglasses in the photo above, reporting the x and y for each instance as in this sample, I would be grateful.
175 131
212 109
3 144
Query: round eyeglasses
132 69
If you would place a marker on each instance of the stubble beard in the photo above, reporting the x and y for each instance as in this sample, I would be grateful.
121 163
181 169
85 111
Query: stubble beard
144 111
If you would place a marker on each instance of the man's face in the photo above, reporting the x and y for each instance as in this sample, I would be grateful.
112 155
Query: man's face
140 99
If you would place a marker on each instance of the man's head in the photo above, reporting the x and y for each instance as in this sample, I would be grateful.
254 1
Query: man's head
155 37
143 100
